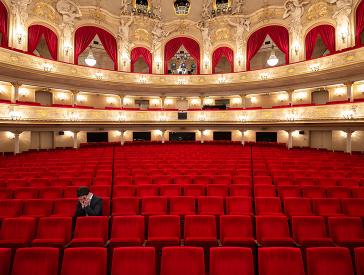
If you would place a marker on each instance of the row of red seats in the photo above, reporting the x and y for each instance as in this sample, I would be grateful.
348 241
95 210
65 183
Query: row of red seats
189 205
183 260
199 230
185 190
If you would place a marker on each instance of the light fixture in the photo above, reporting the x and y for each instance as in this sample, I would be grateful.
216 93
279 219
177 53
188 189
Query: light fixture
121 116
236 100
15 115
208 101
182 7
158 62
264 76
206 62
168 101
195 101
340 91
90 59
74 116
99 75
23 92
81 98
67 50
253 100
296 48
344 32
62 96
315 67
301 96
282 97
202 116
361 88
127 101
47 67
162 117
20 34
291 115
350 113
272 60
243 117
111 100
10 135
69 133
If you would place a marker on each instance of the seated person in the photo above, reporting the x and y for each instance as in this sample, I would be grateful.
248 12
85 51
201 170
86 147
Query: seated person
88 204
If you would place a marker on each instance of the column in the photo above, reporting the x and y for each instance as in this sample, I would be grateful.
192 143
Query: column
163 98
121 101
243 101
163 138
290 139
122 141
75 143
349 90
15 94
348 141
242 137
74 98
201 101
290 97
202 136
16 143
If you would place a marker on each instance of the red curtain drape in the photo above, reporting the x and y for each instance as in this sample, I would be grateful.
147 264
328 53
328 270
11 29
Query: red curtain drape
220 52
327 34
173 45
359 22
84 36
279 36
3 25
141 52
35 33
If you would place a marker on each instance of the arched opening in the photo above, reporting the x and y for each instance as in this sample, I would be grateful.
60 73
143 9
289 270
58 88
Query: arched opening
279 38
359 32
98 45
42 42
223 60
182 56
3 25
320 41
141 60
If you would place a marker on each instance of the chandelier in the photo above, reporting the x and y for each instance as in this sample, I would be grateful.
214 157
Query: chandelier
222 8
90 59
182 7
273 59
182 55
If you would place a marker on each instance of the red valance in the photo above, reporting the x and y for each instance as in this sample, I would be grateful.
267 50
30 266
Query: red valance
85 35
141 52
279 36
173 45
3 25
327 34
219 53
359 22
35 33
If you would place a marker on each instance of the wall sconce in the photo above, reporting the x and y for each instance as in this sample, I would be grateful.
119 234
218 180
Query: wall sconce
344 33
205 132
47 67
155 102
340 91
296 47
111 100
158 62
195 101
74 116
296 133
125 57
301 96
67 50
10 135
69 134
282 97
202 116
168 101
206 62
127 101
23 92
121 116
236 100
239 57
253 100
19 35
315 67
361 88
62 97
15 115
264 76
209 101
99 75
81 98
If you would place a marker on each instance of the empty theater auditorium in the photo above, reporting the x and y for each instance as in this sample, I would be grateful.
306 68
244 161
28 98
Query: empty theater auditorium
181 137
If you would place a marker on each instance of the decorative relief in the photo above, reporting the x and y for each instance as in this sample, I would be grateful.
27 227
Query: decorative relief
317 11
222 34
44 10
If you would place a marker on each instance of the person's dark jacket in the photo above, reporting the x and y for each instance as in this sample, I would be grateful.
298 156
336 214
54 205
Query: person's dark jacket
94 209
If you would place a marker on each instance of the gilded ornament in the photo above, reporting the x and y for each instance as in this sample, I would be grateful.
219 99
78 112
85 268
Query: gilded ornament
44 10
317 11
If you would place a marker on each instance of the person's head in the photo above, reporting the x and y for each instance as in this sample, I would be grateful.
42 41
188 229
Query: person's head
83 192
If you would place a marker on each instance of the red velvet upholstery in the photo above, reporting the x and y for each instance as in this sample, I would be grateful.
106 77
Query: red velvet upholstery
154 206
5 260
236 230
346 231
10 208
38 208
53 231
210 205
359 260
182 206
36 260
90 231
65 207
268 206
273 231
239 206
125 206
127 231
163 230
200 230
17 232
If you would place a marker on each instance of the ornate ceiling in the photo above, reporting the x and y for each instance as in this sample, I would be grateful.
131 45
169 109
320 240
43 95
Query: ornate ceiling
168 12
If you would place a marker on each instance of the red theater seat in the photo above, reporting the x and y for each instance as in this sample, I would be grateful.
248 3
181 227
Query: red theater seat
231 260
182 261
327 207
17 232
273 231
268 206
358 193
154 206
210 205
170 190
200 230
338 192
147 190
297 207
65 207
353 207
194 190
125 206
239 206
236 230
313 192
220 179
10 208
123 180
90 231
240 190
280 260
262 180
359 260
38 208
264 191
310 231
329 261
163 230
347 231
50 193
182 206
124 191
101 190
133 261
202 180
142 180
162 180
243 180
85 260
127 231
36 260
5 260
289 192
183 180
53 231
25 193
6 193
220 190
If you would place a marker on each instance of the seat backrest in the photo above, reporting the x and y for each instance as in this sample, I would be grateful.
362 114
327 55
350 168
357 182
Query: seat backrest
18 229
353 207
265 190
124 191
128 227
239 206
5 260
272 227
133 261
200 226
233 226
346 228
308 227
359 260
125 206
36 260
11 208
182 205
297 207
65 207
280 260
329 260
38 207
91 227
231 260
194 190
55 228
151 205
326 206
210 205
182 261
266 206
164 226
93 261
